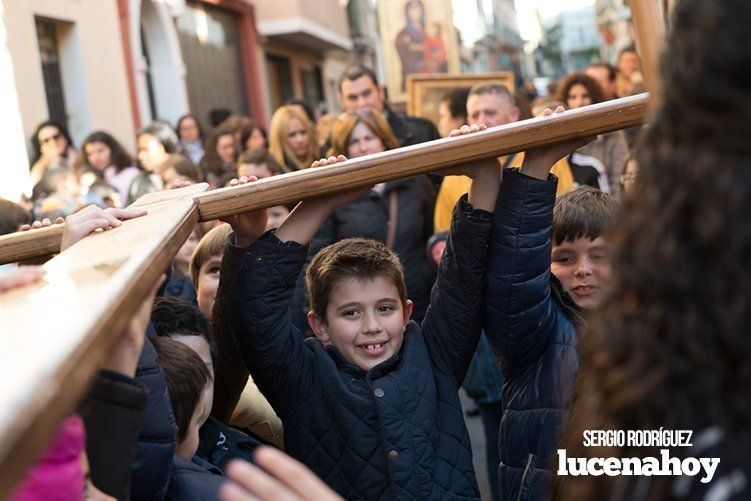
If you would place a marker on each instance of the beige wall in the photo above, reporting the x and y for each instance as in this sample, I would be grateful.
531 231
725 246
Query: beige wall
326 13
94 75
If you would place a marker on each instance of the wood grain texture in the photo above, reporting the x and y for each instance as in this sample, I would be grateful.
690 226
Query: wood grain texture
56 332
649 22
423 158
31 244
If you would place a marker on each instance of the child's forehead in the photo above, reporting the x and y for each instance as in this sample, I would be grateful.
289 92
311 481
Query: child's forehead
376 284
582 243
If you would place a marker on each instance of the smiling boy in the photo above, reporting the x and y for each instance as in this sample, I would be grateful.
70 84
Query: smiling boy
365 315
580 258
370 404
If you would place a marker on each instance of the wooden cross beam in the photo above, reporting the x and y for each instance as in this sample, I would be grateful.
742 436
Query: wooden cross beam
649 20
394 164
55 333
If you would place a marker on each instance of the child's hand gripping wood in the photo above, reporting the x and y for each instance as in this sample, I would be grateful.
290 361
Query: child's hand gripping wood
539 161
249 225
486 174
303 222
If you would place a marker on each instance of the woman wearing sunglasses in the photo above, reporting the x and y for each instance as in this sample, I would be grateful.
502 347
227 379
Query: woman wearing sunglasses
51 144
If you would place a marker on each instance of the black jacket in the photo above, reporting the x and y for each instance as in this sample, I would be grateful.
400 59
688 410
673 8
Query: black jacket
195 480
411 130
157 438
112 412
219 444
531 326
397 431
368 217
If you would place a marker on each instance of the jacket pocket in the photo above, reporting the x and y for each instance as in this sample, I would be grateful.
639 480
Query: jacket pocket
523 493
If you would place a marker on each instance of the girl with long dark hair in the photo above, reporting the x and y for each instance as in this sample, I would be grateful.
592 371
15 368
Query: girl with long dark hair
104 156
221 155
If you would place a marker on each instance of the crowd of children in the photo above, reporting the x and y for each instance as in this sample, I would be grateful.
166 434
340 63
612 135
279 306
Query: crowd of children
342 330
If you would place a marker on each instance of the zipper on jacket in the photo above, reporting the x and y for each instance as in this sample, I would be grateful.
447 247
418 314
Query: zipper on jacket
522 486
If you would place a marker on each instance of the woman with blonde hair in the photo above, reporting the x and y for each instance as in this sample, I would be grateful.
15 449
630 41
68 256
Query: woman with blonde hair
398 213
292 138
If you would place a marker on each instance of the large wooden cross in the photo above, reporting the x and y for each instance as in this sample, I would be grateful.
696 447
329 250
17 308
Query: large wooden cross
55 333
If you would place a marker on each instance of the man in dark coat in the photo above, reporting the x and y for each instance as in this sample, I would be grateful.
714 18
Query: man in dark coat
359 88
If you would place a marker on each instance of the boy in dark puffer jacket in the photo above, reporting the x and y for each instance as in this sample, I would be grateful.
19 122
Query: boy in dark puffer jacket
187 380
370 404
532 317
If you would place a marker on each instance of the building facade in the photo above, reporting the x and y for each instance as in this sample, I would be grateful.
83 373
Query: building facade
366 38
60 59
580 41
615 26
499 48
117 65
305 47
191 56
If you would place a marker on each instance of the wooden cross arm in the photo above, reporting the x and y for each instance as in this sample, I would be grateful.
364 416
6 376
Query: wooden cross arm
55 333
423 158
41 242
372 169
31 244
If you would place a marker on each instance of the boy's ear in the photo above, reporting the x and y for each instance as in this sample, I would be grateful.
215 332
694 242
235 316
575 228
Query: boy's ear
318 326
408 307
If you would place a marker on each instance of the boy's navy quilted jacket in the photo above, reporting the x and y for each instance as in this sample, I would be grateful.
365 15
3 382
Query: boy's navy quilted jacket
397 431
530 325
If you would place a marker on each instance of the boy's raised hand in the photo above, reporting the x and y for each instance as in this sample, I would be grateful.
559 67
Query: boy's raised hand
470 169
20 277
538 161
93 218
250 225
305 220
337 199
40 224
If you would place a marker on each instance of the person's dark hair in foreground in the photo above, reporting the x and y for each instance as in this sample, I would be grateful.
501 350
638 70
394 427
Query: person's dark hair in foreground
12 216
670 347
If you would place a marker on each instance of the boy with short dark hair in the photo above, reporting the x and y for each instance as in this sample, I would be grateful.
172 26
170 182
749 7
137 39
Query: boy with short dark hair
187 378
237 400
370 404
533 316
